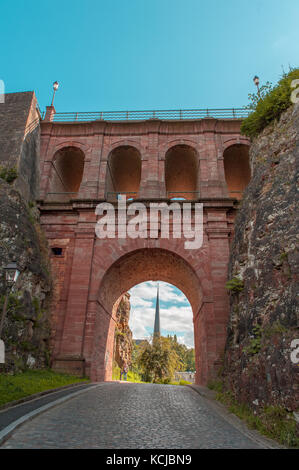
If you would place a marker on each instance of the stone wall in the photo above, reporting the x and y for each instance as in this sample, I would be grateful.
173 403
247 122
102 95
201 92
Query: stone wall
123 334
26 330
19 140
264 316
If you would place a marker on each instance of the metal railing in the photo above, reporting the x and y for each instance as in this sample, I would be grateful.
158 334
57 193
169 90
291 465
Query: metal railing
178 114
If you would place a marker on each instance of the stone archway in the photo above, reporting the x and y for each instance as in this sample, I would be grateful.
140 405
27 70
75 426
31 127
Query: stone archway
181 172
67 172
237 169
123 172
139 266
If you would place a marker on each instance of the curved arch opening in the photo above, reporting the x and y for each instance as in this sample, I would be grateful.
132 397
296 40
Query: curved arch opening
146 307
67 173
237 169
132 269
181 172
123 172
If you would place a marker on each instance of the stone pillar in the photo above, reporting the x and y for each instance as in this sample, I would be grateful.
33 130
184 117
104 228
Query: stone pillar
50 113
150 184
103 344
206 354
70 356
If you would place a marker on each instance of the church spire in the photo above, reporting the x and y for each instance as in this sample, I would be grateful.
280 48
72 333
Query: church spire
157 316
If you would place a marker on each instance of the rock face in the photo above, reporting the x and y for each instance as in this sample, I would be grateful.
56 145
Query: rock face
26 331
20 140
123 335
264 316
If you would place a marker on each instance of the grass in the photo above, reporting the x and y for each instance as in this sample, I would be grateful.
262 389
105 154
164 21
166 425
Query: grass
272 421
181 382
15 387
135 377
131 376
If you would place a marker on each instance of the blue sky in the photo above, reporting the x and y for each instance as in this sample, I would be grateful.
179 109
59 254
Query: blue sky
175 312
145 54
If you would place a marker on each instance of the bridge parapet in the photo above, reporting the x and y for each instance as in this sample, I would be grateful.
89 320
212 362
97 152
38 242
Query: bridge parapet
173 114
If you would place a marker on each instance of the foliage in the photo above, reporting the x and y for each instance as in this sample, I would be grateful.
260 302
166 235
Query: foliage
184 382
185 359
255 342
216 385
235 285
158 360
256 97
186 355
8 174
15 306
273 421
269 104
15 387
131 377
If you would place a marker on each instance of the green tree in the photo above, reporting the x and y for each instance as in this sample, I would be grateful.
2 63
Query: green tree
190 360
158 360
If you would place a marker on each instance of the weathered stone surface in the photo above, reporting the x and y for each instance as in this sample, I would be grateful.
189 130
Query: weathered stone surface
19 140
264 316
123 334
93 273
26 330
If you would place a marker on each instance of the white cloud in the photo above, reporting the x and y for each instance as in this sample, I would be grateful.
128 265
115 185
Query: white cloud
175 312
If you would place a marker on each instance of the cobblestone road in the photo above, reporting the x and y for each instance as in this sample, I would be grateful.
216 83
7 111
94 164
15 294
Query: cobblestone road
132 416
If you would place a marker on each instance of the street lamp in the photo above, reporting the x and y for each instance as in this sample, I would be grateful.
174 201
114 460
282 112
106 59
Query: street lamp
257 83
12 272
55 88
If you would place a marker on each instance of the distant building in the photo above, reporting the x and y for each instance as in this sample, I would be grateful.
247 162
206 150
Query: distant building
188 376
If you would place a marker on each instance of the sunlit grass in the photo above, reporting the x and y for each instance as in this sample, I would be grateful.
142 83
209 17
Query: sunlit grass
15 387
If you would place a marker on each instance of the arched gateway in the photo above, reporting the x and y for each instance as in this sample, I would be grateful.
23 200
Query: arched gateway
91 274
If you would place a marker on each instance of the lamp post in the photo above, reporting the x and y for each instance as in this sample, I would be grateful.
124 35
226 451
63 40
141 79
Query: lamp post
55 88
12 272
257 83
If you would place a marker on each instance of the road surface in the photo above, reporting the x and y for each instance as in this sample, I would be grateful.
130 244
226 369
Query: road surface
132 416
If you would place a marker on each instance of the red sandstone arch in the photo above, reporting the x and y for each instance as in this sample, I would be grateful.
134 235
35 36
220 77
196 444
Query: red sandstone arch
138 266
237 169
123 171
181 172
67 171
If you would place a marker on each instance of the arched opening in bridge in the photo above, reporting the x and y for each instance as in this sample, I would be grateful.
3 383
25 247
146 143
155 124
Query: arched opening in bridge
181 172
123 172
237 169
146 306
67 173
140 266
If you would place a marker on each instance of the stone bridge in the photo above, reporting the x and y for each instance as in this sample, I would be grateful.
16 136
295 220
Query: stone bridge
85 163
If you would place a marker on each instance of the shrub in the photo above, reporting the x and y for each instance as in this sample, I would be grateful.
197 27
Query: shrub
8 174
184 382
235 285
255 343
269 105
